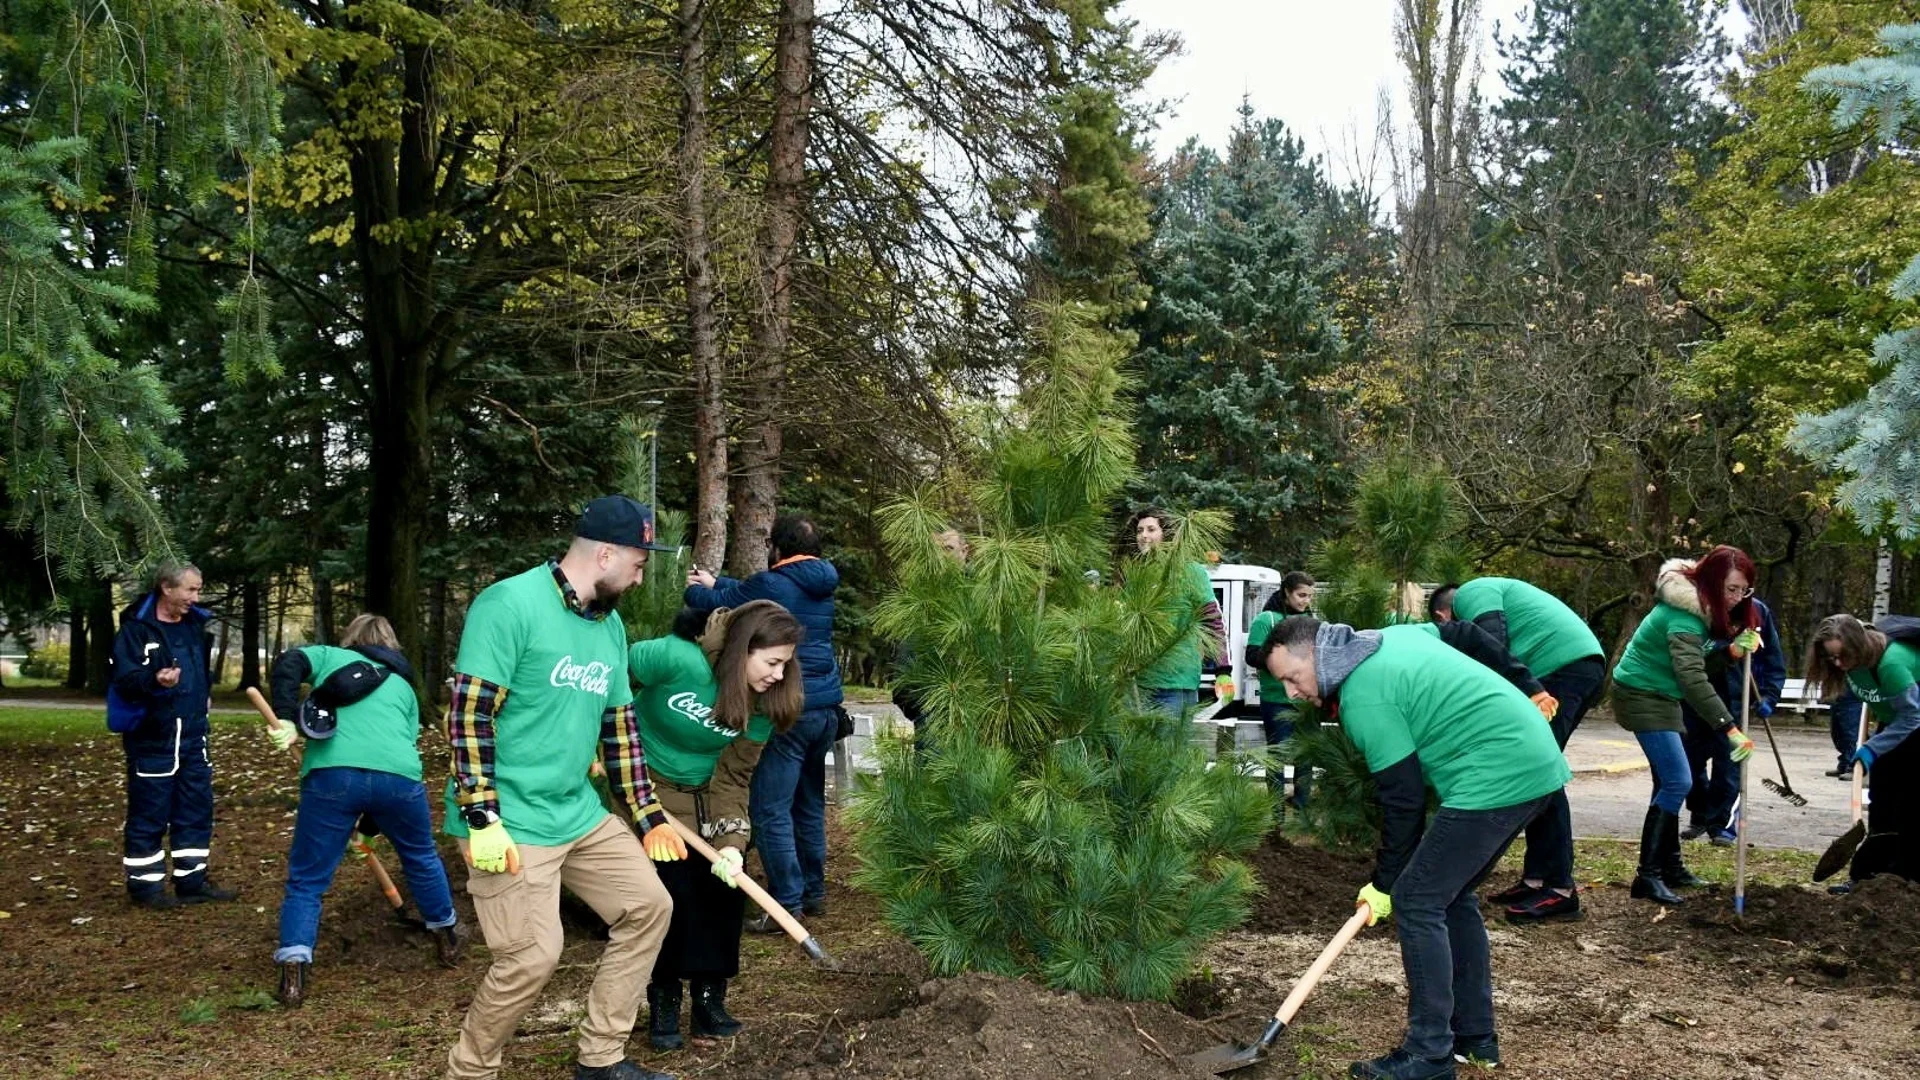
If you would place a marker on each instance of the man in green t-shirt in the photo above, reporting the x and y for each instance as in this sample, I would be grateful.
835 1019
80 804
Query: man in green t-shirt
1172 683
1560 649
540 692
1424 714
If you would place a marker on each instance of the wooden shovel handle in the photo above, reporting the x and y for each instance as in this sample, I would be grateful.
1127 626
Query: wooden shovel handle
379 870
1321 963
1859 771
747 885
260 703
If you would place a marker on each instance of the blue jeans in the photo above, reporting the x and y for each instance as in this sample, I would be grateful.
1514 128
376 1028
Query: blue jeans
1276 720
331 802
1672 779
1172 701
1550 836
1443 942
788 803
1843 725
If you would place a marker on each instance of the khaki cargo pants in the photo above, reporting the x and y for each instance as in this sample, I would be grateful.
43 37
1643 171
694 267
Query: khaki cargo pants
520 916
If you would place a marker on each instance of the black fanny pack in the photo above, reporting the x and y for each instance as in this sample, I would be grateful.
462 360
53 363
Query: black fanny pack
319 715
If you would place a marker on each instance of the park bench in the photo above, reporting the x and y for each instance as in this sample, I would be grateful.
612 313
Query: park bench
1802 697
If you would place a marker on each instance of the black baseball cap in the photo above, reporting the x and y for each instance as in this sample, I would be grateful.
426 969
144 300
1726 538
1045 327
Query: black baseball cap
618 519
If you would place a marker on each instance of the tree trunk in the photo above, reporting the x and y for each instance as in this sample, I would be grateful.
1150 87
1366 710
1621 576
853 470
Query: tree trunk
433 669
76 641
709 371
220 654
1883 580
322 609
251 631
756 497
279 618
100 634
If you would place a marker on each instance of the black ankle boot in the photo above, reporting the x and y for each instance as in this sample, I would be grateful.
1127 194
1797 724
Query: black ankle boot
663 1015
293 983
710 1008
1647 883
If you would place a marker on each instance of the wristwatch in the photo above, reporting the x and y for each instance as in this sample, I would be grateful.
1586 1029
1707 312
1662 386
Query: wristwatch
477 818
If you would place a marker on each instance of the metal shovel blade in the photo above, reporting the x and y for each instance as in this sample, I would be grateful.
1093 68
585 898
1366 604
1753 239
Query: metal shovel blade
1840 852
1228 1057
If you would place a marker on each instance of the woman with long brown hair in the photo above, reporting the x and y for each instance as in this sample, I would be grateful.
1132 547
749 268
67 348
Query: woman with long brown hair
1666 663
710 695
1878 664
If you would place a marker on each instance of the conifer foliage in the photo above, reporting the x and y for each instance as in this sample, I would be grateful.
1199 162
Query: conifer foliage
1048 826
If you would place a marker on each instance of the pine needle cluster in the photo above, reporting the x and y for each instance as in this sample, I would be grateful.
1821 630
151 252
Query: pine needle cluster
1047 825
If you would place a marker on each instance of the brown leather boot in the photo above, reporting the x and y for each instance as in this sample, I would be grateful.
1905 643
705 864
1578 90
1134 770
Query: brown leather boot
452 943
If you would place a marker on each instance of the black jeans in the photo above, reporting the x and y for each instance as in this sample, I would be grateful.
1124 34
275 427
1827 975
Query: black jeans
1443 942
1715 795
1550 836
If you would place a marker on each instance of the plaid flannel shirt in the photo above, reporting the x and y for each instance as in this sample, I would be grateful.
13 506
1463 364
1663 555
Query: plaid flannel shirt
476 703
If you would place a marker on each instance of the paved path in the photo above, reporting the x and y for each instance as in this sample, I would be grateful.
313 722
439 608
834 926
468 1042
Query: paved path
1611 785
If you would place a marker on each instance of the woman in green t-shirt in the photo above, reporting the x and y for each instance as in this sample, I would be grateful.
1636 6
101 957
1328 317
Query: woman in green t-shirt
1880 664
1665 663
365 767
709 696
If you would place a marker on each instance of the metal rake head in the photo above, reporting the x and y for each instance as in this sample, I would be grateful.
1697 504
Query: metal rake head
1784 791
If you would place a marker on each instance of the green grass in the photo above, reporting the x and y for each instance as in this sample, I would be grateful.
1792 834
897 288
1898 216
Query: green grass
1615 860
20 725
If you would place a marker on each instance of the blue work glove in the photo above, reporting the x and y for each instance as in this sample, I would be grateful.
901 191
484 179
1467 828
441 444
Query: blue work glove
1862 757
1764 708
1380 902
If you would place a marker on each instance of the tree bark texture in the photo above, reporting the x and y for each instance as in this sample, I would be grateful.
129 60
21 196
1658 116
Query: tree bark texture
252 631
76 641
757 491
710 456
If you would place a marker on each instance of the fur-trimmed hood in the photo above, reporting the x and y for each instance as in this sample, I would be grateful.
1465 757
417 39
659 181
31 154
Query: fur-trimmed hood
1672 586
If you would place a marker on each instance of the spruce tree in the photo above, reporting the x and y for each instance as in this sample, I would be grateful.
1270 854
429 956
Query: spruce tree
1239 340
1051 826
1872 441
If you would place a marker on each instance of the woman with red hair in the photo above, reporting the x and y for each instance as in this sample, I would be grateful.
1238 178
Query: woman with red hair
1665 664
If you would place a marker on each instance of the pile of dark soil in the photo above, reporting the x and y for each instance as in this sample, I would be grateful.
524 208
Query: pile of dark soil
1303 888
1871 935
983 1027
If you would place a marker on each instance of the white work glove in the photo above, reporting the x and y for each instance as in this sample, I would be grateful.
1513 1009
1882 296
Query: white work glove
727 865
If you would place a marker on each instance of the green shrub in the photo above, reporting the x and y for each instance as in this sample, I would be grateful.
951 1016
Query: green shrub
47 662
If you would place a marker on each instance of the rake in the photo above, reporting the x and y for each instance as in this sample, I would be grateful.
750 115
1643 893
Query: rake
1782 787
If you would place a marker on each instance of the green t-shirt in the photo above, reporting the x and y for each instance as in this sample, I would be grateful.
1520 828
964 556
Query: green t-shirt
561 671
1482 744
1647 664
1179 668
380 731
1887 681
676 689
1542 632
1271 689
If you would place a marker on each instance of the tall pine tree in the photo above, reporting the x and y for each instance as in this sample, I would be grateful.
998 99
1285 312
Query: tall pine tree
1238 341
1052 826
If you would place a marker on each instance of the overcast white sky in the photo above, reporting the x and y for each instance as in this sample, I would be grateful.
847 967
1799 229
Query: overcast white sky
1319 65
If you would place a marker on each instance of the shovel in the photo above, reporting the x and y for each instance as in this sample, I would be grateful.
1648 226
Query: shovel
758 895
1740 826
1841 850
1227 1057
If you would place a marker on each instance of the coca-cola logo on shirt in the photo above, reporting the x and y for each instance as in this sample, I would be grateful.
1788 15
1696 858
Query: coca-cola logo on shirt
688 704
590 678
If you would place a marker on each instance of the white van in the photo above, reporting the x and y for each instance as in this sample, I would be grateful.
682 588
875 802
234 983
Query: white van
1241 590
